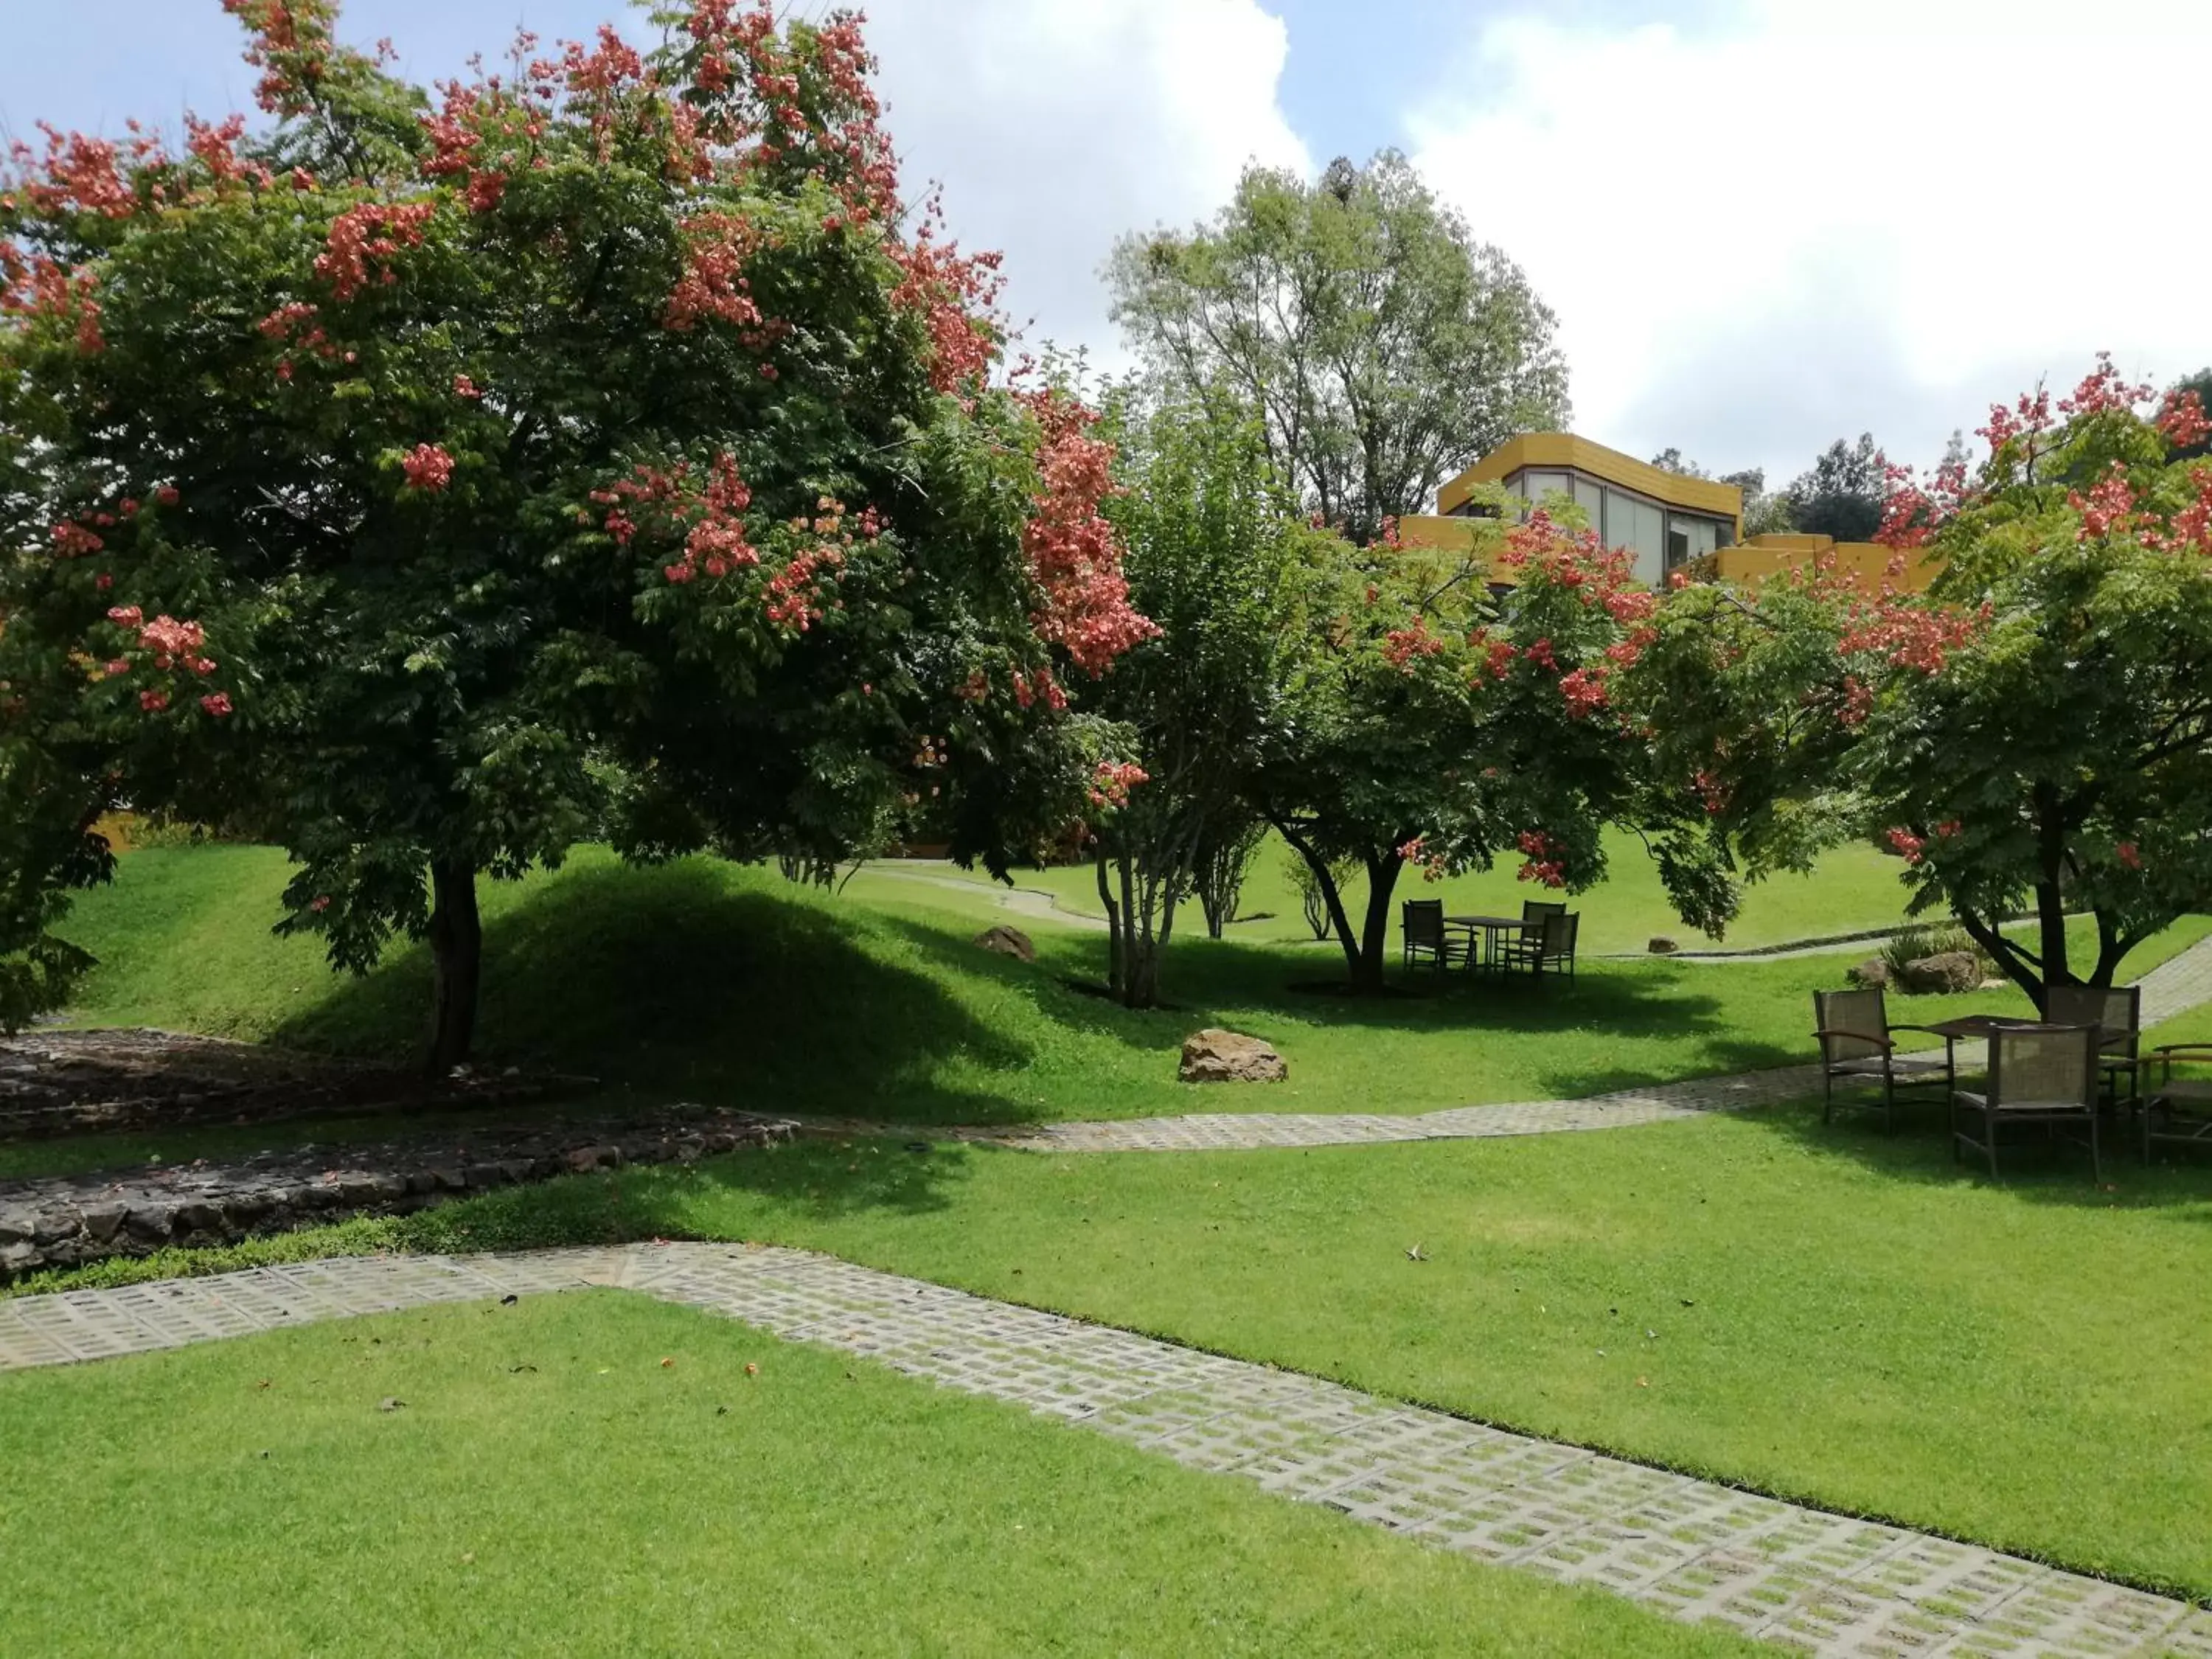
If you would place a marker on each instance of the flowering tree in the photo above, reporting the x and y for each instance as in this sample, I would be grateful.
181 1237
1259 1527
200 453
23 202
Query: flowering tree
1432 722
2035 734
426 481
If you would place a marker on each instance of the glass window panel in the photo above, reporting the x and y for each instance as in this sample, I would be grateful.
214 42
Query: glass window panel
1591 499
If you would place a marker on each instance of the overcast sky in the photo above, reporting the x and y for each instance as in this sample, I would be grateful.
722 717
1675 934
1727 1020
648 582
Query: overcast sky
1763 223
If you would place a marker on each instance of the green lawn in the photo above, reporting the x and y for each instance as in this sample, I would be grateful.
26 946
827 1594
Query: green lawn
551 1485
716 982
1854 890
1828 1314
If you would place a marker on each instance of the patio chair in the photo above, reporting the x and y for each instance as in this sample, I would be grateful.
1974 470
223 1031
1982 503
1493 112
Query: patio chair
2044 1074
1422 921
1555 946
2176 1111
1858 1044
1522 950
2116 1012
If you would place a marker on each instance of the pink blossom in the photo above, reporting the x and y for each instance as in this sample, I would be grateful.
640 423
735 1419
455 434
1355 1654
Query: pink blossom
215 704
1911 846
2129 855
428 467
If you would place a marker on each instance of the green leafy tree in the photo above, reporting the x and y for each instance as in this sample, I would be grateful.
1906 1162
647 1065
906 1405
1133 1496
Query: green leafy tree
431 481
2035 734
1216 558
1385 349
1841 495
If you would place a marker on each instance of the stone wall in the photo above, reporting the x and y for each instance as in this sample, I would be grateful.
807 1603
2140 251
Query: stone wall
64 1221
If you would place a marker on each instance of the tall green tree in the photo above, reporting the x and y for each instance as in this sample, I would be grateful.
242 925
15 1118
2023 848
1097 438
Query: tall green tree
1218 559
1385 348
2035 734
431 482
1841 494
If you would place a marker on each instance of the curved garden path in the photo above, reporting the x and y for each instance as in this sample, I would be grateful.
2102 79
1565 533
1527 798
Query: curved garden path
2175 986
1828 1584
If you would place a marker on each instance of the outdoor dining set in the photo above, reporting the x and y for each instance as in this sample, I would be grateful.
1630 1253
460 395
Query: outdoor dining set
1539 940
2080 1066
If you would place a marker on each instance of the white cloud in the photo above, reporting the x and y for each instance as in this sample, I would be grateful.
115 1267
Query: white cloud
1879 215
1056 126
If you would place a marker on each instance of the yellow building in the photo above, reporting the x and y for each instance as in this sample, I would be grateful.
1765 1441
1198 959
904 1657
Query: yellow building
1670 522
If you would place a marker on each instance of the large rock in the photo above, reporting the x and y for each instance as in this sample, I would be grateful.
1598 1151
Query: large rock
1872 974
1661 945
1008 942
1946 974
1217 1056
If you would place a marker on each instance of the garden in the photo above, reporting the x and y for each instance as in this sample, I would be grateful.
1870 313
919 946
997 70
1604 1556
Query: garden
613 828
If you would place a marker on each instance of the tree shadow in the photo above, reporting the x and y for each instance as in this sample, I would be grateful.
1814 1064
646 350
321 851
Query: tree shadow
1918 1151
667 981
1224 982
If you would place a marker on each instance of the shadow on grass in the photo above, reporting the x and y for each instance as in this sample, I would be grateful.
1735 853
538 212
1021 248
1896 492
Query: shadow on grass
668 980
1224 982
2031 1169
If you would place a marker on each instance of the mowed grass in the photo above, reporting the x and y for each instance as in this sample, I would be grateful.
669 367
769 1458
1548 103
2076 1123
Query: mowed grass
725 984
596 1473
1826 1313
1853 890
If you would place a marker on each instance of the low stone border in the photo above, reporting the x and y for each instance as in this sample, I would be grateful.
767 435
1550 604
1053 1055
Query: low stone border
64 1221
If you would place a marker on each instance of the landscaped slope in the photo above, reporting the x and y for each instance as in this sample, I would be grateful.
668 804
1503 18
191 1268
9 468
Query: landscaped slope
726 984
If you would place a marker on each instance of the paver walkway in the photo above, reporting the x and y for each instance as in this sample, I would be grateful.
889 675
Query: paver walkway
2175 986
1694 1549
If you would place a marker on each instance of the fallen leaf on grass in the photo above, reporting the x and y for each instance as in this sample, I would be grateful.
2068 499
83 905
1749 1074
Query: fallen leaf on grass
666 1364
390 1404
751 1370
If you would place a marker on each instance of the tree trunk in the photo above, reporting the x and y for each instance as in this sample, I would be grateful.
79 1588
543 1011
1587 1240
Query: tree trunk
2050 894
1339 922
457 962
1114 969
1375 936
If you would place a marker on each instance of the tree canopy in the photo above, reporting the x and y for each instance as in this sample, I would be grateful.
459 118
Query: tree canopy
606 446
2035 734
1384 348
1841 494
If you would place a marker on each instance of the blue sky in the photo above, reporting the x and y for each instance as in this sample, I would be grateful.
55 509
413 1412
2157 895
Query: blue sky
1762 223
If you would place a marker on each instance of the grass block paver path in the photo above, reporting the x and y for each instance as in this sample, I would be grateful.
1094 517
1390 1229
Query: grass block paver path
1824 1583
2174 986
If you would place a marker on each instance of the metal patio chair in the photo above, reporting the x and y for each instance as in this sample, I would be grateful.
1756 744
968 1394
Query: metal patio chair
1859 1045
1422 921
2116 1012
2175 1111
2044 1074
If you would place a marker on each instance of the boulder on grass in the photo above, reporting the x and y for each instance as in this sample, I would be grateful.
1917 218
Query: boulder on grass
1872 974
1663 946
1944 974
1008 942
1217 1056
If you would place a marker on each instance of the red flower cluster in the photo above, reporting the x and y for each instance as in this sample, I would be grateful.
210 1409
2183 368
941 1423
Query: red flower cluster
953 292
77 174
714 285
427 466
2102 392
1074 556
2109 507
1038 686
40 287
1433 865
1112 782
1584 690
1914 848
372 232
1542 859
2181 418
216 146
291 46
1401 645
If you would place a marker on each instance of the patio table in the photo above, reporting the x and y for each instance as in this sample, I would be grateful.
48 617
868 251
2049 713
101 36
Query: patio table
1492 928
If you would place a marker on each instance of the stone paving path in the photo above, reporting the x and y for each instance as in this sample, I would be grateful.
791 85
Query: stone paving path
1691 1548
2175 986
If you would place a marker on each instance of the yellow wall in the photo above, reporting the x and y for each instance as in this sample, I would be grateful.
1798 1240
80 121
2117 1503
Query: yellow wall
1867 564
1555 450
1428 532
